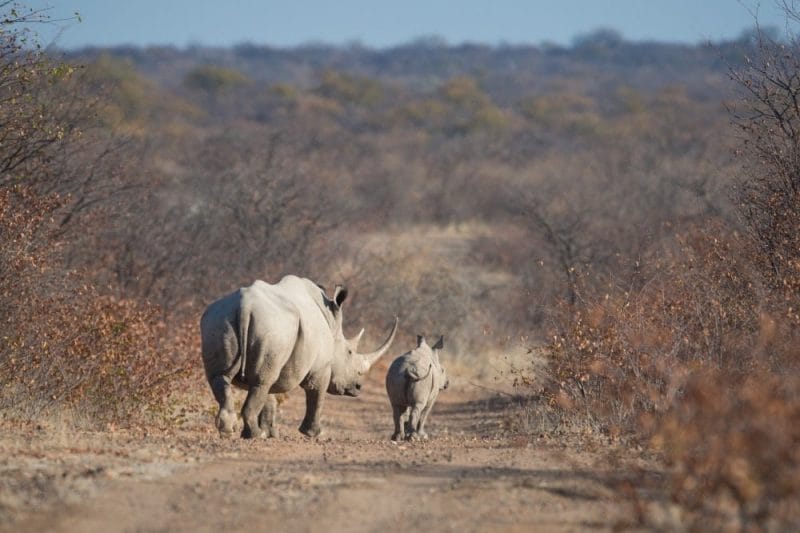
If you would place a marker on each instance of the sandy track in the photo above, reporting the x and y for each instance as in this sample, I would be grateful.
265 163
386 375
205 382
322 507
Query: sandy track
471 476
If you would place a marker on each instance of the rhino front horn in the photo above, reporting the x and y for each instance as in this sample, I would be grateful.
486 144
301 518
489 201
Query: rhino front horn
374 356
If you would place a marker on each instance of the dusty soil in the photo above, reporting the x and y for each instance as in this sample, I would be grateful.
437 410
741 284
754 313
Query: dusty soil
472 475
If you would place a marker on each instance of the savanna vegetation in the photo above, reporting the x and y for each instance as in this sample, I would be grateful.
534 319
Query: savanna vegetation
624 215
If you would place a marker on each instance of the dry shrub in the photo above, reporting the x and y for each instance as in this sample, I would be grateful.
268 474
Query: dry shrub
624 351
100 355
698 358
767 118
732 453
23 213
695 352
64 344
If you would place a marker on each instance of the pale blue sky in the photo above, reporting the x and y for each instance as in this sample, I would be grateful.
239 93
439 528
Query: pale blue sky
385 23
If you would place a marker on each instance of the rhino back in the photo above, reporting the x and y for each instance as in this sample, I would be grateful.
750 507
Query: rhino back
402 387
309 299
271 330
316 320
286 332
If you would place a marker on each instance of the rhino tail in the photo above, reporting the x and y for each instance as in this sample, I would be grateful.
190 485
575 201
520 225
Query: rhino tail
244 322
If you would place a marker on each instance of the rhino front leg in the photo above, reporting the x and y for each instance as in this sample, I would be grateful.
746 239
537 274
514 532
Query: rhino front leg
267 420
257 396
315 386
311 423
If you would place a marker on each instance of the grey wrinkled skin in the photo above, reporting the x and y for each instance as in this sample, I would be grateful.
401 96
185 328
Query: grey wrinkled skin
270 339
413 382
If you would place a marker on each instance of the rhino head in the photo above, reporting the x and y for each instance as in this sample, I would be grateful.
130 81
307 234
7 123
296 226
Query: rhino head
350 366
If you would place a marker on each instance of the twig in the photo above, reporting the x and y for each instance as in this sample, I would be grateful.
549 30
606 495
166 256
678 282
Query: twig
492 390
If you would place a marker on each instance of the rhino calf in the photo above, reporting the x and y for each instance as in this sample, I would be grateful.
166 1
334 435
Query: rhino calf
413 383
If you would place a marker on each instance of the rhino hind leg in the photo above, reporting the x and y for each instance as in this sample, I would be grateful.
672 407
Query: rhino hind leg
423 419
257 397
398 413
406 421
412 425
267 420
226 421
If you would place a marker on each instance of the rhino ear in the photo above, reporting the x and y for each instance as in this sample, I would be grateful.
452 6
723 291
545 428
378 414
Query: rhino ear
420 340
439 344
339 295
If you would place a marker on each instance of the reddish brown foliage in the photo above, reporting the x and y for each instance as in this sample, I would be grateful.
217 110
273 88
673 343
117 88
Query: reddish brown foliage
732 453
64 344
700 360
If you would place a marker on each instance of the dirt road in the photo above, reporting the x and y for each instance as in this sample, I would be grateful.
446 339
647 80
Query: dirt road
472 475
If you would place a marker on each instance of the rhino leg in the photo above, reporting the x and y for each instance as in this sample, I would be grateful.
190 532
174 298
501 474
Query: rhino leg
413 422
226 418
398 413
311 422
257 396
315 386
267 418
423 418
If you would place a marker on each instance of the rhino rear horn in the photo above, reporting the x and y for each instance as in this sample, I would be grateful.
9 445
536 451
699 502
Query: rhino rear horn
355 340
374 356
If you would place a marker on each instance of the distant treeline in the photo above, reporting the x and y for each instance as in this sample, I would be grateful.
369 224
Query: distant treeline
600 57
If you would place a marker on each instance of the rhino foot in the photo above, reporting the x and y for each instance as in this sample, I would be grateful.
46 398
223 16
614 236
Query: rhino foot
416 436
227 422
310 431
247 433
397 437
271 432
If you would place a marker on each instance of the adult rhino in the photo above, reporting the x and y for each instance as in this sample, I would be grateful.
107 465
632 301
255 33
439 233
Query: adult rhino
269 339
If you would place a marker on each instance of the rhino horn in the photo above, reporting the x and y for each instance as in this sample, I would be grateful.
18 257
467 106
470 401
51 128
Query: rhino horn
355 340
374 356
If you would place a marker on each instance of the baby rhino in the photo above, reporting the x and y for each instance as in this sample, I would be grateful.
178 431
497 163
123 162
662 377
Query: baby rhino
413 382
